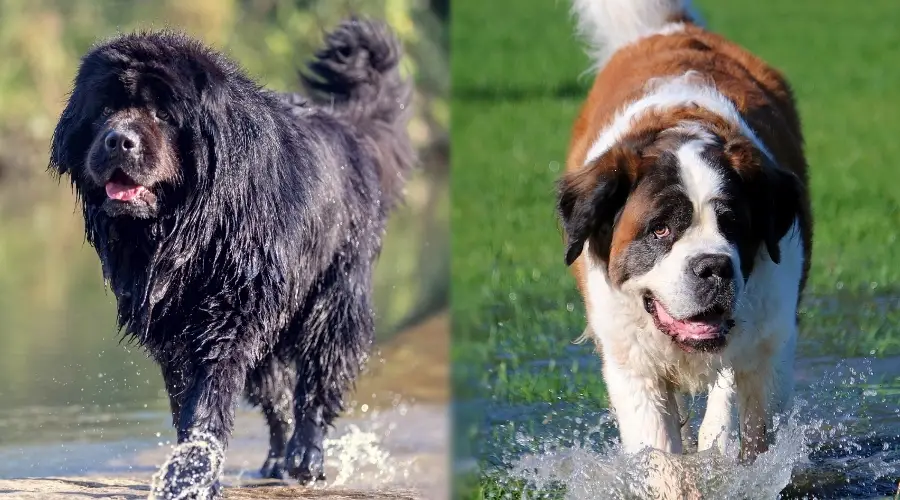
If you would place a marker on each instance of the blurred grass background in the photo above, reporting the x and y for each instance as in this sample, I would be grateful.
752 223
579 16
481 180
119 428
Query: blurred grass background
57 322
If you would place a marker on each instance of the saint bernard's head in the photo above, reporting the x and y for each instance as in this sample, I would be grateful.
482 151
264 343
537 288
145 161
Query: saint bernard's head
676 217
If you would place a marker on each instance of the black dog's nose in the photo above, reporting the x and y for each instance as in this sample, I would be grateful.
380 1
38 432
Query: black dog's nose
122 142
712 266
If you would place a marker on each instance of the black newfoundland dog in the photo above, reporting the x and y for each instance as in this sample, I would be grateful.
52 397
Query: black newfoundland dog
238 228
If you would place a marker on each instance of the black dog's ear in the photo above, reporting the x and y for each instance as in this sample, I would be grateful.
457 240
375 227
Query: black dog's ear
71 140
776 194
589 198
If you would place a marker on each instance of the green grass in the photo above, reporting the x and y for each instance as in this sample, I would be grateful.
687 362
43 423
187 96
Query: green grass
517 86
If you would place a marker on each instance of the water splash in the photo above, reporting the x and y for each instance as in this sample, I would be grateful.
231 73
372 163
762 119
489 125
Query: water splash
609 473
191 471
358 456
822 447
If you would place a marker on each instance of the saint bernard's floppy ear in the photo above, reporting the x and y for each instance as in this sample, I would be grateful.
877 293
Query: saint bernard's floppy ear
589 198
775 193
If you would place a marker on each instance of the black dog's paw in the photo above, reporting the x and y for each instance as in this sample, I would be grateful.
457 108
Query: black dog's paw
306 463
274 468
191 472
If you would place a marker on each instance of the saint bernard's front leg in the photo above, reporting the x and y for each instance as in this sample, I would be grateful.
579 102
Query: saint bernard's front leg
754 394
645 408
648 416
720 422
764 389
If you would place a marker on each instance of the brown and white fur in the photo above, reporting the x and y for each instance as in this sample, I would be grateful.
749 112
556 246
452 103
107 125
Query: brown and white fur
687 222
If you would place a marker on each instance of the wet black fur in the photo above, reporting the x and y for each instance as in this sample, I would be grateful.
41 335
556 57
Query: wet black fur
255 277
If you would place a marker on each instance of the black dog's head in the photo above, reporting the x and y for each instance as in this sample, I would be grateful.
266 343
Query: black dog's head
129 135
157 138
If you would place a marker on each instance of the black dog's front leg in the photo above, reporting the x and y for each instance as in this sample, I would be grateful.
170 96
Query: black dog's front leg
205 422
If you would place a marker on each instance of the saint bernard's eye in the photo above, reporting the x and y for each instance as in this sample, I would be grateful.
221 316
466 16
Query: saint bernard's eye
661 231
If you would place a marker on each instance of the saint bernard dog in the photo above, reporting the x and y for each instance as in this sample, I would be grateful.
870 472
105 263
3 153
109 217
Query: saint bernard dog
687 223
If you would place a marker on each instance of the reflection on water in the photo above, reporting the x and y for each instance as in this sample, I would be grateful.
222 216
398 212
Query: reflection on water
58 330
841 440
64 425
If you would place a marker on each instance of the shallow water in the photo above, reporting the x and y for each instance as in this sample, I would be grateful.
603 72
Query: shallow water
400 449
840 440
392 439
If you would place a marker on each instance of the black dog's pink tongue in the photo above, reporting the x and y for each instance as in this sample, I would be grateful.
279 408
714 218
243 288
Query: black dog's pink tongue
123 192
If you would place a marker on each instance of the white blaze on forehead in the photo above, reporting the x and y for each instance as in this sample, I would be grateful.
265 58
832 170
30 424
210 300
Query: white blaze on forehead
702 182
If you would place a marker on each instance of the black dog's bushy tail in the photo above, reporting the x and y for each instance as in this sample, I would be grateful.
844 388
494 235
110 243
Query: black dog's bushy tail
357 75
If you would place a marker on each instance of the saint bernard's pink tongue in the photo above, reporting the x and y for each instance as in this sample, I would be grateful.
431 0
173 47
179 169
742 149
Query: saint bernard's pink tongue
687 329
123 192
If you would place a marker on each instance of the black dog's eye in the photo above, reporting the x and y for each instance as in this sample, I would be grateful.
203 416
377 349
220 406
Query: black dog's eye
106 112
162 116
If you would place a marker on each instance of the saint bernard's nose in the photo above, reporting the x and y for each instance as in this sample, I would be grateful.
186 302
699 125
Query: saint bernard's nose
712 267
713 279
